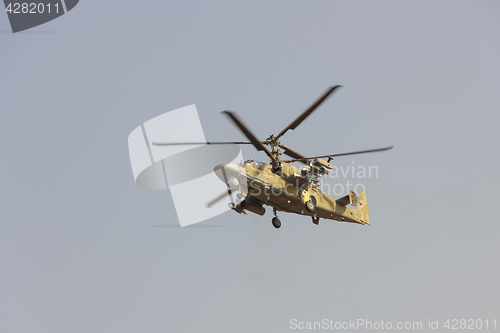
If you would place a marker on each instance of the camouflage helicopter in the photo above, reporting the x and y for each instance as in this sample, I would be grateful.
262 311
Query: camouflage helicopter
283 186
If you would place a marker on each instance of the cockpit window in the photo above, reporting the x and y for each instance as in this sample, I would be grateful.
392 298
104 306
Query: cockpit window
256 164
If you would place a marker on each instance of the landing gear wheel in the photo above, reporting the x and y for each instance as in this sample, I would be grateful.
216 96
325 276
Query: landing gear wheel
276 222
310 206
315 220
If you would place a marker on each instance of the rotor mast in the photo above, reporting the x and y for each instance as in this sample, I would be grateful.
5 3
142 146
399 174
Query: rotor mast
273 142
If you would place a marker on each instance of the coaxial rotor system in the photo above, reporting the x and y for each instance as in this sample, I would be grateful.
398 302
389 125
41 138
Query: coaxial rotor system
275 147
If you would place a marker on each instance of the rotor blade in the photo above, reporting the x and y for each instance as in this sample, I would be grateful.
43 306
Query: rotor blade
257 144
288 151
343 154
307 112
200 143
220 197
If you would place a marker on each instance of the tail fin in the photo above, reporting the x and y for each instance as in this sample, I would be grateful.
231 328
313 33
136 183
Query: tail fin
362 207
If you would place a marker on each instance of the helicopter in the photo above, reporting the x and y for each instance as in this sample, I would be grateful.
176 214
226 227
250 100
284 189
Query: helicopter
281 185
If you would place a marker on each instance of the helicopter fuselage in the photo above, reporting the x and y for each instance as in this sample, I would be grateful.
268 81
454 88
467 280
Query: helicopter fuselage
289 191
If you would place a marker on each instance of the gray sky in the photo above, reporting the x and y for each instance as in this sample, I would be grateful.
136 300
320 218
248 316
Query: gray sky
80 246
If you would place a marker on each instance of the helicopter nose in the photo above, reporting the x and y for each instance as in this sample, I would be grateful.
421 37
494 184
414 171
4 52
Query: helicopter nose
227 171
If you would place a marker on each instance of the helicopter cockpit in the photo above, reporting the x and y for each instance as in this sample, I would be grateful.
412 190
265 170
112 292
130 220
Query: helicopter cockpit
255 164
